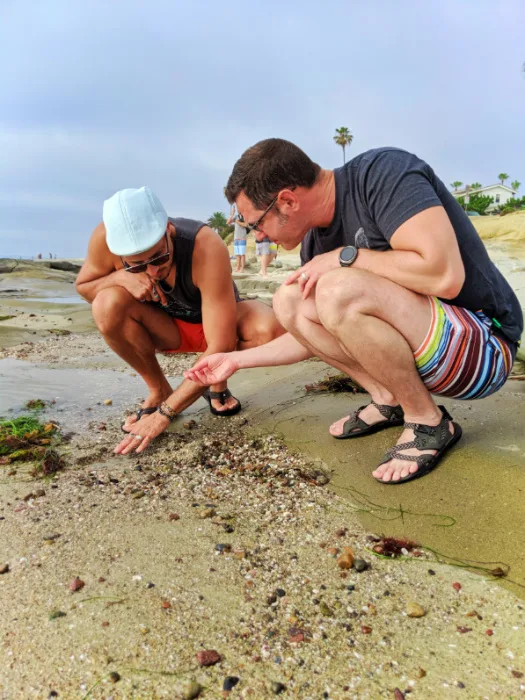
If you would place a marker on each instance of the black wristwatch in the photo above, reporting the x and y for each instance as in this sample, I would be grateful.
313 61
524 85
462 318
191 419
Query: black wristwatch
348 255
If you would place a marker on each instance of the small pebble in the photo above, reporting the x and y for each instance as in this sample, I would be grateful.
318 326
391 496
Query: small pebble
223 548
325 610
108 402
230 682
398 695
457 586
431 572
360 565
277 688
4 568
415 610
208 657
56 614
192 690
173 516
114 677
76 584
207 513
280 592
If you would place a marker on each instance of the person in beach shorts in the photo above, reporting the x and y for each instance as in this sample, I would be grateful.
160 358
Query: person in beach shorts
162 284
239 239
395 288
262 249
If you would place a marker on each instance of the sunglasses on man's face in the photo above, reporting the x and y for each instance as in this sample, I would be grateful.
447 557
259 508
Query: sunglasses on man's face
255 226
156 261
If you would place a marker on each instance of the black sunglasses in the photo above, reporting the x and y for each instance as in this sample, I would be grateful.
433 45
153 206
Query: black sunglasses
157 261
255 226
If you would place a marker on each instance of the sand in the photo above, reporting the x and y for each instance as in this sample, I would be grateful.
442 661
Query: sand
142 535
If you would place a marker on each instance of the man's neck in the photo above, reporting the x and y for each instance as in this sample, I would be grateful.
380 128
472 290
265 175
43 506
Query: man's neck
320 200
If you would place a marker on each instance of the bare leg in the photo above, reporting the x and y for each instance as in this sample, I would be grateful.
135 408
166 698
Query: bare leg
135 331
256 325
300 318
238 266
265 261
243 262
379 339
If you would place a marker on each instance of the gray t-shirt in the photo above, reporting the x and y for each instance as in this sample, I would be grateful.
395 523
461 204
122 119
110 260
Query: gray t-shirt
378 191
239 232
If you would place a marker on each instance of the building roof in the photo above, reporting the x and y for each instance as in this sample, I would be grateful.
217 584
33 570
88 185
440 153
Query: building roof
460 193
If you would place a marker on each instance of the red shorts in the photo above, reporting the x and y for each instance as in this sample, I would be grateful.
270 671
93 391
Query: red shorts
191 337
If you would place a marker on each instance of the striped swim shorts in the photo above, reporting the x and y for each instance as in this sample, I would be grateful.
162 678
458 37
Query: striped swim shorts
463 356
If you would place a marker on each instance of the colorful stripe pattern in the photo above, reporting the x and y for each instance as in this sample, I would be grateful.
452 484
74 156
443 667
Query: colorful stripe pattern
461 357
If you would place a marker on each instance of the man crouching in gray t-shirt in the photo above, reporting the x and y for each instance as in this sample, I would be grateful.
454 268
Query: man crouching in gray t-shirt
396 289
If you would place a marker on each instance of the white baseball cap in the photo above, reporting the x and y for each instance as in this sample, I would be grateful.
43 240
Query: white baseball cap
135 221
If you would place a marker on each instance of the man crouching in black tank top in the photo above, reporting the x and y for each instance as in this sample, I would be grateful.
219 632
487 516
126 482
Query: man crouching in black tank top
158 284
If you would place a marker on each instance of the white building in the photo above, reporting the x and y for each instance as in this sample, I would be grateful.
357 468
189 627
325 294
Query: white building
501 194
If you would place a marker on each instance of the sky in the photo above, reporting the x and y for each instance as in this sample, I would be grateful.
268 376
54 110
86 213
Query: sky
97 96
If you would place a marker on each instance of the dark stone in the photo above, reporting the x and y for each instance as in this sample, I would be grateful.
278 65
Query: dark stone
351 587
277 688
431 572
223 548
150 585
230 682
360 565
280 592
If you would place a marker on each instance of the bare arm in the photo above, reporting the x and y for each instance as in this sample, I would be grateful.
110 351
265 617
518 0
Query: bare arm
425 258
99 272
212 275
284 350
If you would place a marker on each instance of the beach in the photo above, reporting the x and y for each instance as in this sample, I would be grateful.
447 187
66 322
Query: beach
256 537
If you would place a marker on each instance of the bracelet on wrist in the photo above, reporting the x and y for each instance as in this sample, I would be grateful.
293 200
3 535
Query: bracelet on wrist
167 411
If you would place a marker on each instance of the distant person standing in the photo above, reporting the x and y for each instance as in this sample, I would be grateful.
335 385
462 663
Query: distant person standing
262 248
240 232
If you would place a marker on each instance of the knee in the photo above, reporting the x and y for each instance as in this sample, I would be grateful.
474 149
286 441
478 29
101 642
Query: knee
339 295
286 302
109 307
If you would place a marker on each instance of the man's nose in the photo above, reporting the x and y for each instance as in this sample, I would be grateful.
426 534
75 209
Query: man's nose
153 269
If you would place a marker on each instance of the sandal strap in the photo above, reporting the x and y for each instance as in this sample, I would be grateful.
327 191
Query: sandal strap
220 395
427 437
391 413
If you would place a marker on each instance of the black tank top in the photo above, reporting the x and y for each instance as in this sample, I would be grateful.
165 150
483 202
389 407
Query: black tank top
184 300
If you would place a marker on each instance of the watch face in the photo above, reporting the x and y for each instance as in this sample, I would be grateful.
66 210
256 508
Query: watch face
348 254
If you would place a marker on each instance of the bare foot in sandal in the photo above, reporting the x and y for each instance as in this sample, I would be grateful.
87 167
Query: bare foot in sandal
366 420
413 456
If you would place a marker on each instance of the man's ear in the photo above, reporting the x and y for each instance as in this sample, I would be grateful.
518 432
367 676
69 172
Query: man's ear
289 199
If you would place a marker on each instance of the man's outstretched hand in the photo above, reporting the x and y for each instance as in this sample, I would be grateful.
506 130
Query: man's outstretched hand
141 433
213 369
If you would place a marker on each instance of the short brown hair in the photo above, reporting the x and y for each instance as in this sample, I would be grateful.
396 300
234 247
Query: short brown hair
268 167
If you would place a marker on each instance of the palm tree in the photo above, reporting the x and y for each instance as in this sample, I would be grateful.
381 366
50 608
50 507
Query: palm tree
217 222
456 184
515 185
343 137
476 186
503 177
